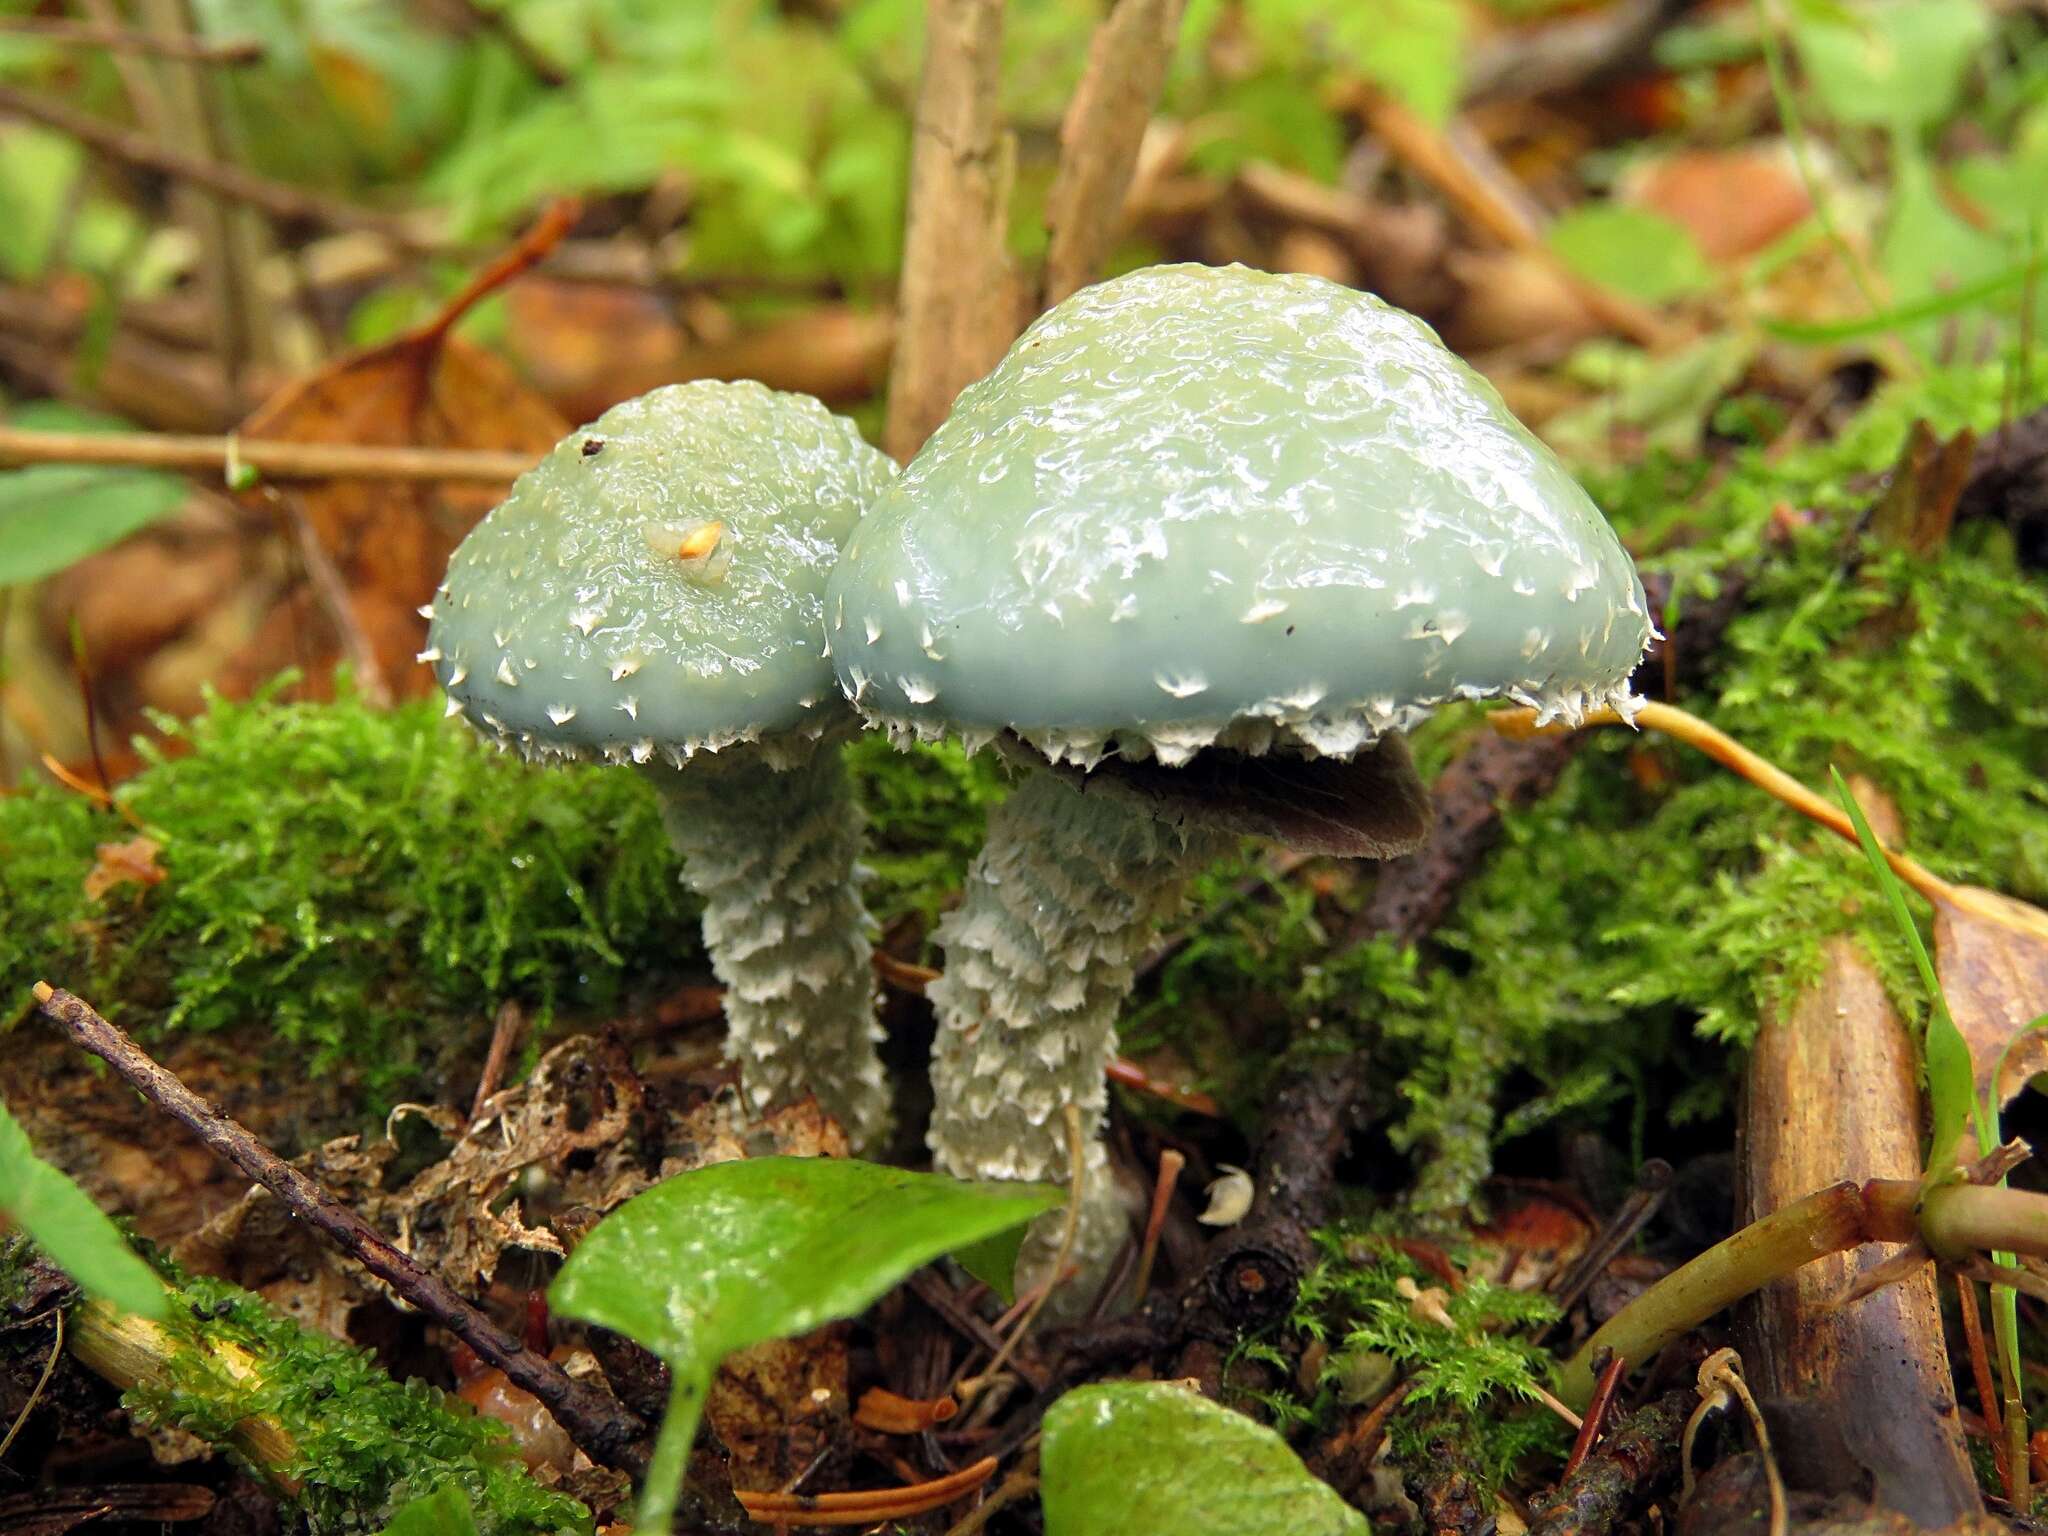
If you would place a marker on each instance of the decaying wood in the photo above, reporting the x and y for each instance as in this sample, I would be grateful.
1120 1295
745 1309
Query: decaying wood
958 298
1632 1463
1099 139
1860 1398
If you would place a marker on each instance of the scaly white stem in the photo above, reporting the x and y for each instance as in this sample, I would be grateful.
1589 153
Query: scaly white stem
772 852
1060 905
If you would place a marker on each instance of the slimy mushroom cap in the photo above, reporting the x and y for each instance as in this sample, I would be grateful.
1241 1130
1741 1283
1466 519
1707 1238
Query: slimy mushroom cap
1199 507
655 584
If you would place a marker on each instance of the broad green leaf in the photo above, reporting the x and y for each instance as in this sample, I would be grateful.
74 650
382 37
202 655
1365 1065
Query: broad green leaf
738 1253
52 515
1951 1079
62 1221
1411 48
444 1512
1901 62
1630 250
993 1261
1927 249
1150 1458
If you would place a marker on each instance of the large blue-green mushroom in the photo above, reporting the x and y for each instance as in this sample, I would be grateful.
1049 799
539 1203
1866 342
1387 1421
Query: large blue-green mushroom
1200 548
651 594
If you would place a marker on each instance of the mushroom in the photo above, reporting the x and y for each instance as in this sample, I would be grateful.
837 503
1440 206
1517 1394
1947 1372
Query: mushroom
1200 548
651 594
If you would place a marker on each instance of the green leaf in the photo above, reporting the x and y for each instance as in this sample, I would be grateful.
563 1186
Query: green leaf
1900 63
62 1221
52 515
738 1253
993 1261
1951 1080
444 1512
1632 251
1411 48
1132 1458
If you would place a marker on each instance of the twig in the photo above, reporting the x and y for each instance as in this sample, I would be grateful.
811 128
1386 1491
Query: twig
1021 1481
489 18
505 1032
875 1506
1653 1181
1170 1165
1622 1474
86 34
958 300
1461 168
1596 1414
1724 749
331 592
1077 1160
35 1394
598 1423
278 199
272 460
1099 139
1563 55
1980 1367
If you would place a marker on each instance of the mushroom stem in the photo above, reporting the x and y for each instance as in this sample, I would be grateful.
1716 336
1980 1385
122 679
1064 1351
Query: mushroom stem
772 852
1060 905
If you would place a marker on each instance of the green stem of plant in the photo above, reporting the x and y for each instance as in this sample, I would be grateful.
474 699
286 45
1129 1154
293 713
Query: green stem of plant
1827 1221
671 1459
1954 1221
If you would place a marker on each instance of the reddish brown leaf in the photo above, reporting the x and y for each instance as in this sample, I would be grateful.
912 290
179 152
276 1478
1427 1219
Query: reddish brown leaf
130 863
1991 957
389 543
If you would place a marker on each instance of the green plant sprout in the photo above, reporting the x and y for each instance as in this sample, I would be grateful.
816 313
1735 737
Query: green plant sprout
717 1259
1949 1214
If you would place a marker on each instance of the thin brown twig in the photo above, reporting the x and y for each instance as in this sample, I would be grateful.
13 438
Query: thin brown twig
271 460
1170 1164
1099 139
35 1394
598 1423
1023 1479
63 33
279 199
505 1032
1980 1368
868 1506
330 590
1596 1414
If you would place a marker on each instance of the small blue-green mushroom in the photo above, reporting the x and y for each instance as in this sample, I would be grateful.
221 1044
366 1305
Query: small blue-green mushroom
652 594
1202 531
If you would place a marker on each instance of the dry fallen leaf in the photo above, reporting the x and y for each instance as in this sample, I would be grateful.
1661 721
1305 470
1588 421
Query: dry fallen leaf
130 863
1991 958
388 542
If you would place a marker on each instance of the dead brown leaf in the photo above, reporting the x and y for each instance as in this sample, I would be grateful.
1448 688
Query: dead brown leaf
116 864
1991 958
387 542
779 1405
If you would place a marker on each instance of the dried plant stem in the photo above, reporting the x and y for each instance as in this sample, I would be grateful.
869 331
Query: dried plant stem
865 1507
1732 754
596 1421
272 460
86 34
35 1394
278 199
1077 1190
1980 1368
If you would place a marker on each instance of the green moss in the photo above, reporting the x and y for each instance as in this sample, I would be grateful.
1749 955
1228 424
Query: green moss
365 1444
368 884
925 812
1482 1368
372 884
